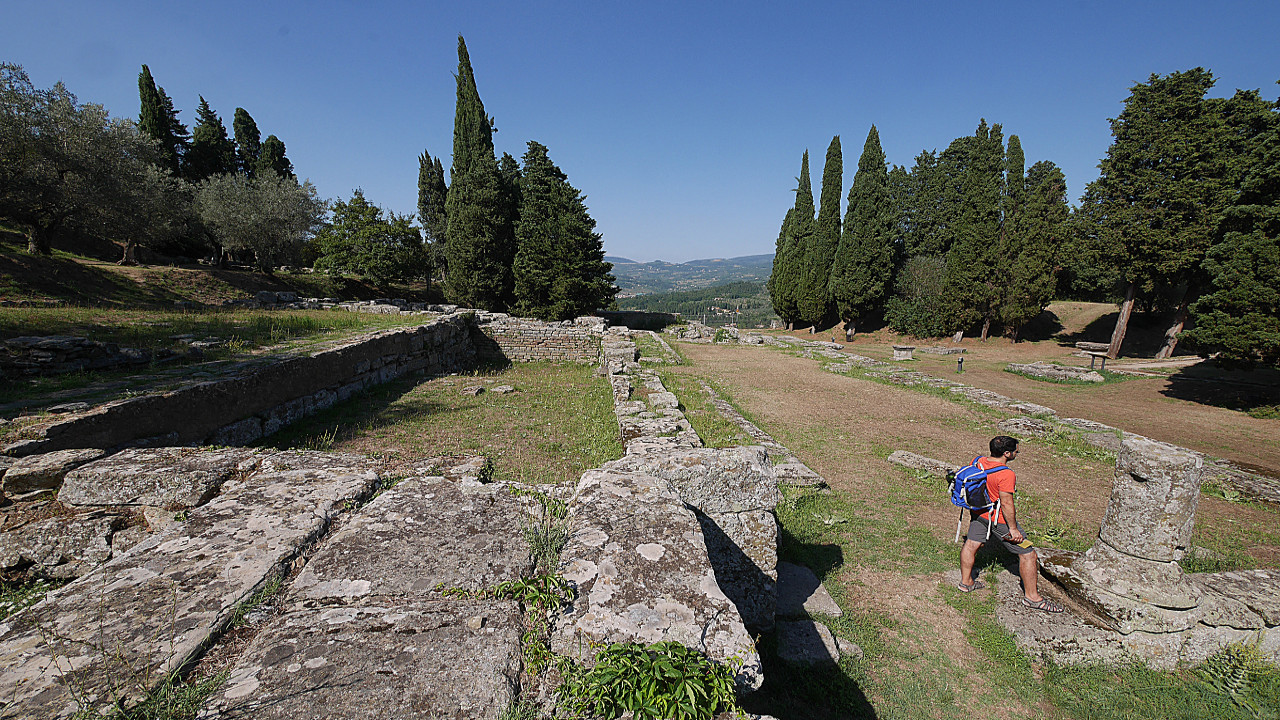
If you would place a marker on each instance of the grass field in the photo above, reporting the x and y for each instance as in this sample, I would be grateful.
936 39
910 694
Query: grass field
557 423
881 540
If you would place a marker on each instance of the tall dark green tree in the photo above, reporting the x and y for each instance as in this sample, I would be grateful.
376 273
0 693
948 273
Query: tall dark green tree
864 261
212 152
813 301
1039 233
431 196
248 141
159 120
974 262
793 241
1161 190
359 239
559 270
922 213
479 246
271 158
1239 317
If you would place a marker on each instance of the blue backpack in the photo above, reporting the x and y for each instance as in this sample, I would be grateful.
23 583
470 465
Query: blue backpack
969 492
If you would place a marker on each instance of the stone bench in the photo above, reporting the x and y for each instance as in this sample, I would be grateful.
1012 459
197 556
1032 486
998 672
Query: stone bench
903 352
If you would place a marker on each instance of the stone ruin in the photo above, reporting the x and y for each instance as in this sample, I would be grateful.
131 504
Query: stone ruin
673 541
1054 371
1130 597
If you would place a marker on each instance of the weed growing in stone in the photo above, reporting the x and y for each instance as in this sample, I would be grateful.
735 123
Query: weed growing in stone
659 681
549 533
18 596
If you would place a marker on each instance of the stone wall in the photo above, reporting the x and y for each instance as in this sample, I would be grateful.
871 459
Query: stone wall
267 395
505 339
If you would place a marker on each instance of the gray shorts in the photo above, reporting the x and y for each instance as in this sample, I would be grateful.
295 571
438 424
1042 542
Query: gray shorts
978 533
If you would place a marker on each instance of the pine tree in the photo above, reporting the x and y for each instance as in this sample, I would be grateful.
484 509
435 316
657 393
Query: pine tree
865 258
431 196
559 270
271 158
812 301
974 262
248 141
1040 231
159 120
479 230
793 240
212 152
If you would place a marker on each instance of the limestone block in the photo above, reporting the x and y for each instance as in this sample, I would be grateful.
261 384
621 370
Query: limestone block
801 594
734 479
805 643
239 433
45 472
416 660
638 560
1116 592
156 476
921 462
157 605
418 534
1053 371
798 474
1026 426
1203 641
60 547
743 550
1259 590
1153 501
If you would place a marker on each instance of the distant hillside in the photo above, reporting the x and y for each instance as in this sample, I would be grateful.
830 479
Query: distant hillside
745 304
658 276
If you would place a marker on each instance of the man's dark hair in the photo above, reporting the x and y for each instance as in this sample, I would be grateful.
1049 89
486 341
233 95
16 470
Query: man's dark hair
1002 444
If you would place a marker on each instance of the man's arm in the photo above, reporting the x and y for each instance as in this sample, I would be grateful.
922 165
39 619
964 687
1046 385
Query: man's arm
1010 517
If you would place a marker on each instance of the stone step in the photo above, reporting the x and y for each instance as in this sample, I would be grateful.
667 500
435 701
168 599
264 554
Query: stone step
124 627
638 559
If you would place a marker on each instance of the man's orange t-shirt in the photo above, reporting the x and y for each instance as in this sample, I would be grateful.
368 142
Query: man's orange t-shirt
998 481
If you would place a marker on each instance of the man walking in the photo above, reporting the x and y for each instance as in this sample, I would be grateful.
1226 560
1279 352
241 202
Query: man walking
1000 487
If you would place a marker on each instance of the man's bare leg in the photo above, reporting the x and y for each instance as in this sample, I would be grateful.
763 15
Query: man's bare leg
968 554
1029 569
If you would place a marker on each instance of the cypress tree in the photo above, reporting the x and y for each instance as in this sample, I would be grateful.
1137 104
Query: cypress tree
271 158
974 262
864 261
431 195
212 152
812 300
559 270
1040 232
793 239
159 120
479 230
922 214
248 141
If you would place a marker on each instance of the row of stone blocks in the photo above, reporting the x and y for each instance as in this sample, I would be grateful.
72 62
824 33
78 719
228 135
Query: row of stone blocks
369 630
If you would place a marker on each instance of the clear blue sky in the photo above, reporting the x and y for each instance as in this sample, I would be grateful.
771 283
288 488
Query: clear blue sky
683 122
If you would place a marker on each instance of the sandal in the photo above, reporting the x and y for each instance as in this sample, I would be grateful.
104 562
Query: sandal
977 585
1045 604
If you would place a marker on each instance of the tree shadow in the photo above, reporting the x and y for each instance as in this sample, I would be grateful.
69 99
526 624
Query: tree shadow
822 692
1042 327
1142 339
1207 383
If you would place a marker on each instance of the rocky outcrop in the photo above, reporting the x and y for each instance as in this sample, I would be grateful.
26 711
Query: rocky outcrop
923 463
1059 373
60 547
638 559
45 471
159 477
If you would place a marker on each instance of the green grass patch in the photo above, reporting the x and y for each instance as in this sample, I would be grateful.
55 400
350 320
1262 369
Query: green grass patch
557 423
713 428
18 596
1265 412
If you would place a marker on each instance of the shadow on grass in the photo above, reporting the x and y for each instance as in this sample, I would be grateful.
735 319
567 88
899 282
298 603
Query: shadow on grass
1208 384
371 410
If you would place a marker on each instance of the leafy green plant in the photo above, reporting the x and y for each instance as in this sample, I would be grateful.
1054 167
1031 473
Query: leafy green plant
547 535
1213 488
16 597
663 680
1238 671
1266 412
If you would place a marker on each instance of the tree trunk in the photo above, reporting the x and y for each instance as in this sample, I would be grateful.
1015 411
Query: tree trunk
1013 333
1171 335
38 241
986 328
813 329
849 329
130 256
1122 322
791 326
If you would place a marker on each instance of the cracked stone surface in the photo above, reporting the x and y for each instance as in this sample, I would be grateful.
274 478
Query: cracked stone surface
805 642
414 660
155 606
155 476
800 593
630 592
61 547
416 535
46 471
